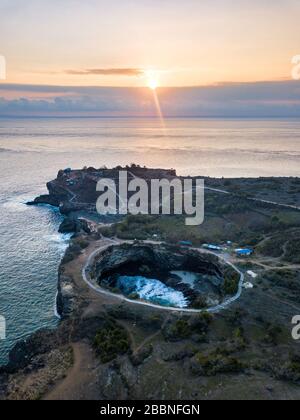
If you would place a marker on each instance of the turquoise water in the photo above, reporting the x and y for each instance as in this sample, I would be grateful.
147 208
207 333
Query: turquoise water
33 150
152 290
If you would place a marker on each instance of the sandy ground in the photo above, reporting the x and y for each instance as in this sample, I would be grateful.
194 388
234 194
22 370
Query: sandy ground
80 382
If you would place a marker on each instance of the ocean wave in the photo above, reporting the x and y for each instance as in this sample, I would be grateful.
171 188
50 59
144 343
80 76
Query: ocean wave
59 238
15 205
152 290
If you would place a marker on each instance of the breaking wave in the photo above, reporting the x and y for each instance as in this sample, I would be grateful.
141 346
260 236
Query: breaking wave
152 290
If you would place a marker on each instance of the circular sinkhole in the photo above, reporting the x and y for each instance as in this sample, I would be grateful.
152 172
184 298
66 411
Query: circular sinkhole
165 275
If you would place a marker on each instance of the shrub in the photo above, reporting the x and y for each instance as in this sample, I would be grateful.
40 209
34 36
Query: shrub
201 322
214 363
178 330
110 342
134 296
273 334
200 303
83 244
230 286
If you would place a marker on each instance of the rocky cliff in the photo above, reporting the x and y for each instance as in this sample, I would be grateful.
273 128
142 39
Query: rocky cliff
75 190
162 262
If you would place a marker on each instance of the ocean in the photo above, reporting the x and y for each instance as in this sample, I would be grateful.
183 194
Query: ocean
33 150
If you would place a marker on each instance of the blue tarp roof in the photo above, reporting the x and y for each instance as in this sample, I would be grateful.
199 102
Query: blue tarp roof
245 251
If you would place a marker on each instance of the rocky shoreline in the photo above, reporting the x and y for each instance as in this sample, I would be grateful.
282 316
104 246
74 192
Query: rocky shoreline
130 352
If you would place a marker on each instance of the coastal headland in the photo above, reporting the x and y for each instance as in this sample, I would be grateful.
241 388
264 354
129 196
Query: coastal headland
232 336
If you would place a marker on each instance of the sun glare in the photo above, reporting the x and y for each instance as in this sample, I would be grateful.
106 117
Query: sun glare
152 84
152 80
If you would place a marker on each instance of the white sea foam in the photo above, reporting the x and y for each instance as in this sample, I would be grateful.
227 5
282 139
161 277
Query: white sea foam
55 307
152 290
59 239
15 205
187 277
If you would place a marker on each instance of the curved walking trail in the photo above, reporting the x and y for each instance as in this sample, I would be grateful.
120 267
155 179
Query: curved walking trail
98 289
259 200
77 383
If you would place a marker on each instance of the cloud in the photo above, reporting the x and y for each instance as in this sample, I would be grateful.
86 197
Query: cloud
241 100
107 72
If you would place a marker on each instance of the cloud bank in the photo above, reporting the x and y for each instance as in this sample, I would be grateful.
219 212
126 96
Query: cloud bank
107 72
246 100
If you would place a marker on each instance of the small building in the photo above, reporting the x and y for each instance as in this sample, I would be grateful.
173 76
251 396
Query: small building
252 274
248 285
212 247
244 252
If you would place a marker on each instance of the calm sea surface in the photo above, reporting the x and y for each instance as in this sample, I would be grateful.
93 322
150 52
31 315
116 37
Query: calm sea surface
32 152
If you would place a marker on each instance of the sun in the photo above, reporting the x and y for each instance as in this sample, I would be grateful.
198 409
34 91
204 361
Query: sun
152 80
152 83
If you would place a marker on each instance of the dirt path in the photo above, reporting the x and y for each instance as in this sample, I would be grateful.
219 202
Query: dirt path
129 332
281 301
151 337
79 383
268 267
96 288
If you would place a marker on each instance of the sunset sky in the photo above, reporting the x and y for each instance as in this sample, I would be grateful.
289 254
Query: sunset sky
134 43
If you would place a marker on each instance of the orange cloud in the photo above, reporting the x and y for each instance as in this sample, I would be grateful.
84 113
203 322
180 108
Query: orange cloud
133 72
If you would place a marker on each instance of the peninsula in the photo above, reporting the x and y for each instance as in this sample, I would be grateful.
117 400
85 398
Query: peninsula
217 323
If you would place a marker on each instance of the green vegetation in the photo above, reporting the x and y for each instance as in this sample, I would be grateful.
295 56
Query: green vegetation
201 322
134 296
233 218
215 363
235 318
82 243
200 302
292 251
287 279
231 282
72 252
287 370
116 291
239 339
271 247
293 366
111 341
181 329
273 334
285 245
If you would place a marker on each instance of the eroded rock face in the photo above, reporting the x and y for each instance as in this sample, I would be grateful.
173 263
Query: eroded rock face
66 296
75 190
73 225
159 262
159 258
